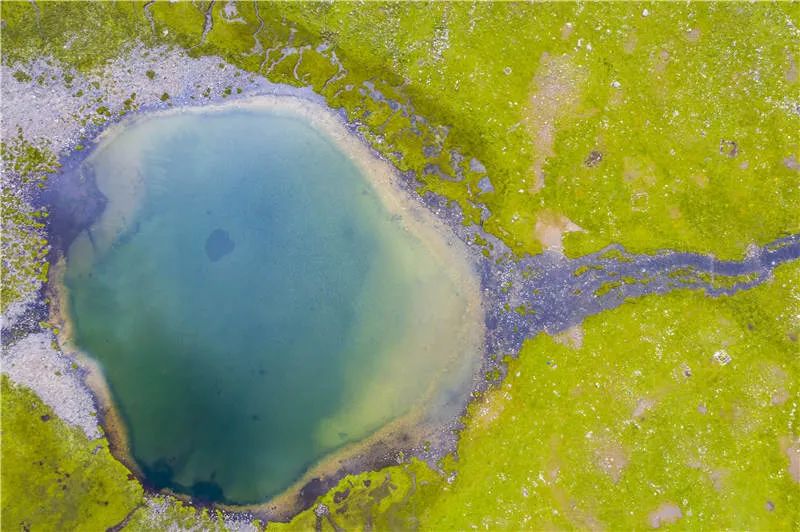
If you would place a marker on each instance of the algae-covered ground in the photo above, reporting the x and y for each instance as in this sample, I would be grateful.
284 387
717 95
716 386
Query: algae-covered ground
53 477
564 127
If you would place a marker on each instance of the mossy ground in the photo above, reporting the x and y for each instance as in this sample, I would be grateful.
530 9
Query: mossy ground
650 125
22 240
642 413
53 477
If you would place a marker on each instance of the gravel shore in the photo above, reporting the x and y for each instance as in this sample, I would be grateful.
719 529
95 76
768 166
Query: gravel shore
57 379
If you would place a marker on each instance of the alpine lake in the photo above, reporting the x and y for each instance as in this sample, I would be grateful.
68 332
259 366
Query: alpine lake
260 297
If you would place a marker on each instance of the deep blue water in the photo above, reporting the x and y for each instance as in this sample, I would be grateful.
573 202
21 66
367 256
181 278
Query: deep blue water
252 303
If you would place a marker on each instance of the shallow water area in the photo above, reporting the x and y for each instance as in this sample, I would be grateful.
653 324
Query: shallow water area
258 297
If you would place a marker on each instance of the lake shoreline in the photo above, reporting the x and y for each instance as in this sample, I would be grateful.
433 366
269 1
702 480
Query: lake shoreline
377 449
79 146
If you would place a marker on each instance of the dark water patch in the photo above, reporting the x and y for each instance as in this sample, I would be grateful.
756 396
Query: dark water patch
74 203
218 244
206 492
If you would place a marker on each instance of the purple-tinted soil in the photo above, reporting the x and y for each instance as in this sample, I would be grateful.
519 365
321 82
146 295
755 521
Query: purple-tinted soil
550 293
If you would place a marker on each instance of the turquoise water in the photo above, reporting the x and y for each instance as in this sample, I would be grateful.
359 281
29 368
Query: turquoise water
253 304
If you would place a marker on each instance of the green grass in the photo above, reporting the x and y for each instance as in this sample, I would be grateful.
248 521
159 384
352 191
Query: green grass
22 240
82 35
393 498
24 265
662 181
21 76
53 477
644 388
182 20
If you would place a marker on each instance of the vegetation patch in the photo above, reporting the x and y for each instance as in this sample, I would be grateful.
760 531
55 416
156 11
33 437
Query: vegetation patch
22 241
53 477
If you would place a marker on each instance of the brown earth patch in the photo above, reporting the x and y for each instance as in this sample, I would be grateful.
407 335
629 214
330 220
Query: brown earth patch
490 409
579 516
790 445
572 337
617 98
775 382
629 45
612 459
660 61
717 477
639 201
550 229
566 30
791 68
555 96
701 180
779 397
638 171
666 514
642 406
